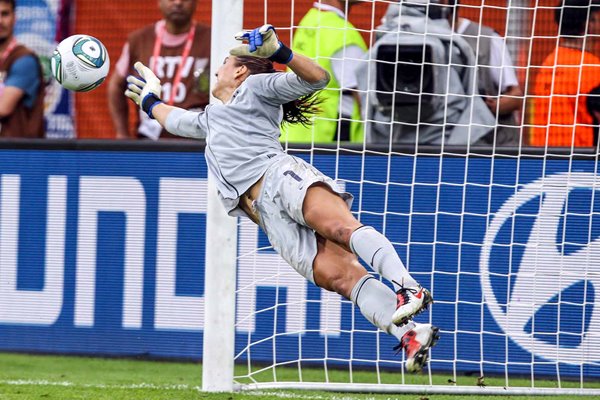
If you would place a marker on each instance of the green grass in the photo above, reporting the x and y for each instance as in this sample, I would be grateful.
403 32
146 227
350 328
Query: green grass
54 377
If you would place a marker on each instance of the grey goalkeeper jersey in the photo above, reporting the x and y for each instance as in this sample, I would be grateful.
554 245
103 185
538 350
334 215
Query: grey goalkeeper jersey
242 136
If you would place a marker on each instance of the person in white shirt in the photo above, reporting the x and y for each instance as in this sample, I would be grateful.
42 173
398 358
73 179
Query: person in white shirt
496 77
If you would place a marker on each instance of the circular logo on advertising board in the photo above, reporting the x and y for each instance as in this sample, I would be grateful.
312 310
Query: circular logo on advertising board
540 267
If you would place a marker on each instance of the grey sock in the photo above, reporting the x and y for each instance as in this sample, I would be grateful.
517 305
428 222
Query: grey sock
377 251
377 303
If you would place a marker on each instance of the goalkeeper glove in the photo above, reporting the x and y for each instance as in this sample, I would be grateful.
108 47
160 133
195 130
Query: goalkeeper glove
264 43
145 92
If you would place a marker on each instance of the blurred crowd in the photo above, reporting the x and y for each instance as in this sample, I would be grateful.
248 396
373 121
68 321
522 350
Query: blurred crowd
429 76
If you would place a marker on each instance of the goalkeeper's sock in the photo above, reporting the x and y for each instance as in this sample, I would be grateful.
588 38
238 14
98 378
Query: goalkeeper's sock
377 251
377 303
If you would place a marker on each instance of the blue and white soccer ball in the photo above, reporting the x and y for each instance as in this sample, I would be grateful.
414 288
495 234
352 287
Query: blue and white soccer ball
80 63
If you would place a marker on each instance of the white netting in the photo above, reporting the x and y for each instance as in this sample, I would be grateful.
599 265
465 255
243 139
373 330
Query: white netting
504 236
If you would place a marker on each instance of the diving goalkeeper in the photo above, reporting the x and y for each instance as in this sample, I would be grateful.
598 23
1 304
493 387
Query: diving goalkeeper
304 213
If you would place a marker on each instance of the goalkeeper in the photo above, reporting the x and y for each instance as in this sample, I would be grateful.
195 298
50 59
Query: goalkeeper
304 213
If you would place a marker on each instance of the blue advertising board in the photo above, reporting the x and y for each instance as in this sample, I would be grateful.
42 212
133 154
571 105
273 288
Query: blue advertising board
102 253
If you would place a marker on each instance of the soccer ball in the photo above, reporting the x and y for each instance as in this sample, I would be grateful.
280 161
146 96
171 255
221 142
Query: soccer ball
80 63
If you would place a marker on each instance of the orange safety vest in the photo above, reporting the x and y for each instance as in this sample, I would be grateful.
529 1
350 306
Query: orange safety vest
559 114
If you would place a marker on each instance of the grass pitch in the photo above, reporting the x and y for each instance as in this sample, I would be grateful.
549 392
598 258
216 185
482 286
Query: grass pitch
38 377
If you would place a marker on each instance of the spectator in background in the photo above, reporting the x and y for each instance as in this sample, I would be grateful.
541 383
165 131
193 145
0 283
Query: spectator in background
496 77
177 49
21 82
325 35
559 113
593 105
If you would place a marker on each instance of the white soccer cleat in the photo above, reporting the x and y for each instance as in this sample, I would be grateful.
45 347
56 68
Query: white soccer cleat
416 344
410 302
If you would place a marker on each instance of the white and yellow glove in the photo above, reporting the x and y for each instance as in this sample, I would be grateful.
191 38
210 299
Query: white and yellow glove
264 43
144 92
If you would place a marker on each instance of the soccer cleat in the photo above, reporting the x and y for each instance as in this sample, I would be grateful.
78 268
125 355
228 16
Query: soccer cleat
410 302
416 344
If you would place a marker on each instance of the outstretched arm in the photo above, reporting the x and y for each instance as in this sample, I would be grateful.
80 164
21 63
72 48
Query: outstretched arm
161 111
145 92
263 42
307 69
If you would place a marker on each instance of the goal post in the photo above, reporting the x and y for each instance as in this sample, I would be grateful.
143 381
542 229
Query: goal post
506 238
221 238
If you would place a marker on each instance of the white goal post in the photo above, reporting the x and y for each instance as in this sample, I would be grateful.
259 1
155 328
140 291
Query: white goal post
221 243
507 240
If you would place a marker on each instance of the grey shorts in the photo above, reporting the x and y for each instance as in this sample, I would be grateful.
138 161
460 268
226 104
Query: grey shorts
279 206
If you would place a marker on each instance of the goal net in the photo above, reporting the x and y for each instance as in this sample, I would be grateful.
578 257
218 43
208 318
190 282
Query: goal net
495 218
